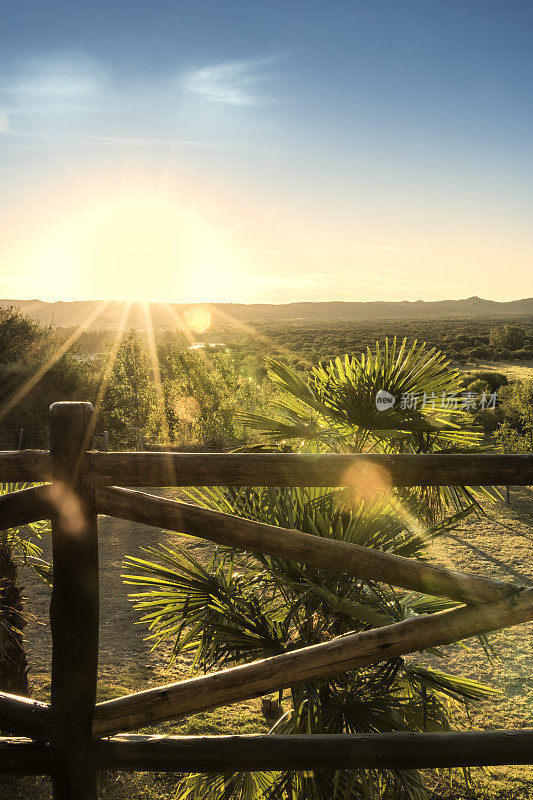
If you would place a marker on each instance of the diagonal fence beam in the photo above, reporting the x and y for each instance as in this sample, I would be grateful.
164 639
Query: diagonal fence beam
309 752
24 717
323 660
351 559
24 506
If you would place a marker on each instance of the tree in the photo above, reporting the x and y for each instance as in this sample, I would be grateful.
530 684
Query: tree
28 351
247 607
202 391
129 404
516 404
509 337
21 338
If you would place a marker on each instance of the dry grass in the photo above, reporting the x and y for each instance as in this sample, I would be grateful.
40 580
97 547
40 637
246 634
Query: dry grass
515 370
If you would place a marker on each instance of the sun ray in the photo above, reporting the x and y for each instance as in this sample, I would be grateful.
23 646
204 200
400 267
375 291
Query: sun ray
66 165
106 374
156 372
256 335
20 393
183 326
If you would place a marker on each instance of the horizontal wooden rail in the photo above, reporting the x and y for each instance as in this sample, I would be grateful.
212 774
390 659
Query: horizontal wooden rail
307 664
24 717
278 469
23 757
351 559
402 750
304 469
20 466
24 506
299 752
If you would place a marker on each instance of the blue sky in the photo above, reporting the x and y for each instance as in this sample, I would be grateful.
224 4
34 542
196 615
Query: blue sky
270 151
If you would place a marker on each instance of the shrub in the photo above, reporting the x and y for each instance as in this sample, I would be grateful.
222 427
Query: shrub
509 336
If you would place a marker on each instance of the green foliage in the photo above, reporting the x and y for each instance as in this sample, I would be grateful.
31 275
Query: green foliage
35 372
245 607
20 336
303 344
19 549
202 391
333 408
22 542
512 337
185 399
129 405
489 379
241 608
515 434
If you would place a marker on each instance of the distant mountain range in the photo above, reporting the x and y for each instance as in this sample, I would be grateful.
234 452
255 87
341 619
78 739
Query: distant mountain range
66 314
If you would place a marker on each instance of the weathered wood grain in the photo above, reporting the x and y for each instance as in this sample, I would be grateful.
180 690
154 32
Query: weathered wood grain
351 559
299 752
20 466
24 717
74 606
24 506
308 664
366 472
278 469
20 756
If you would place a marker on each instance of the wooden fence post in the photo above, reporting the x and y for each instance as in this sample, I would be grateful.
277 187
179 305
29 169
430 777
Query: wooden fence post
74 606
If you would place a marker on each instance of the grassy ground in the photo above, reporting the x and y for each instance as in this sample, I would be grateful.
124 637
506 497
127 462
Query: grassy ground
500 546
515 370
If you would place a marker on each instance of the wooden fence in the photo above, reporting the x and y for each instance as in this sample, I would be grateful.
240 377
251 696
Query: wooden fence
73 737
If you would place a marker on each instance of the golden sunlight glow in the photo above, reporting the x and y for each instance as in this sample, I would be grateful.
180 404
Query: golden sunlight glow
156 372
197 319
23 390
138 247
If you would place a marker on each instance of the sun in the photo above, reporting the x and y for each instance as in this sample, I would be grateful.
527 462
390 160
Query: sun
138 248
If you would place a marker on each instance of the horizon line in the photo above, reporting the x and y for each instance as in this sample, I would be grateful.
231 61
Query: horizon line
261 303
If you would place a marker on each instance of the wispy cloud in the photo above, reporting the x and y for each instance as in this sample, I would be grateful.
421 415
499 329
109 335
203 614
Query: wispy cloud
27 140
4 121
131 141
57 78
234 83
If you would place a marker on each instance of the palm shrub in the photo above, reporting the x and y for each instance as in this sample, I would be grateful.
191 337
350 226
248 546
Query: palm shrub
243 607
19 549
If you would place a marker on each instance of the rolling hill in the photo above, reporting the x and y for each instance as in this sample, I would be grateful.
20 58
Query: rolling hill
66 314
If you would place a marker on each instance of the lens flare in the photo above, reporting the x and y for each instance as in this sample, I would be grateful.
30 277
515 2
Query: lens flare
368 481
198 319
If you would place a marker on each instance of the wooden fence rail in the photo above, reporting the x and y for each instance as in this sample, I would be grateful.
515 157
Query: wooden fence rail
351 559
64 739
276 469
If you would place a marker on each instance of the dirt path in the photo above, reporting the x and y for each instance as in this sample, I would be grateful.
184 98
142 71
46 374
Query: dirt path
125 658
